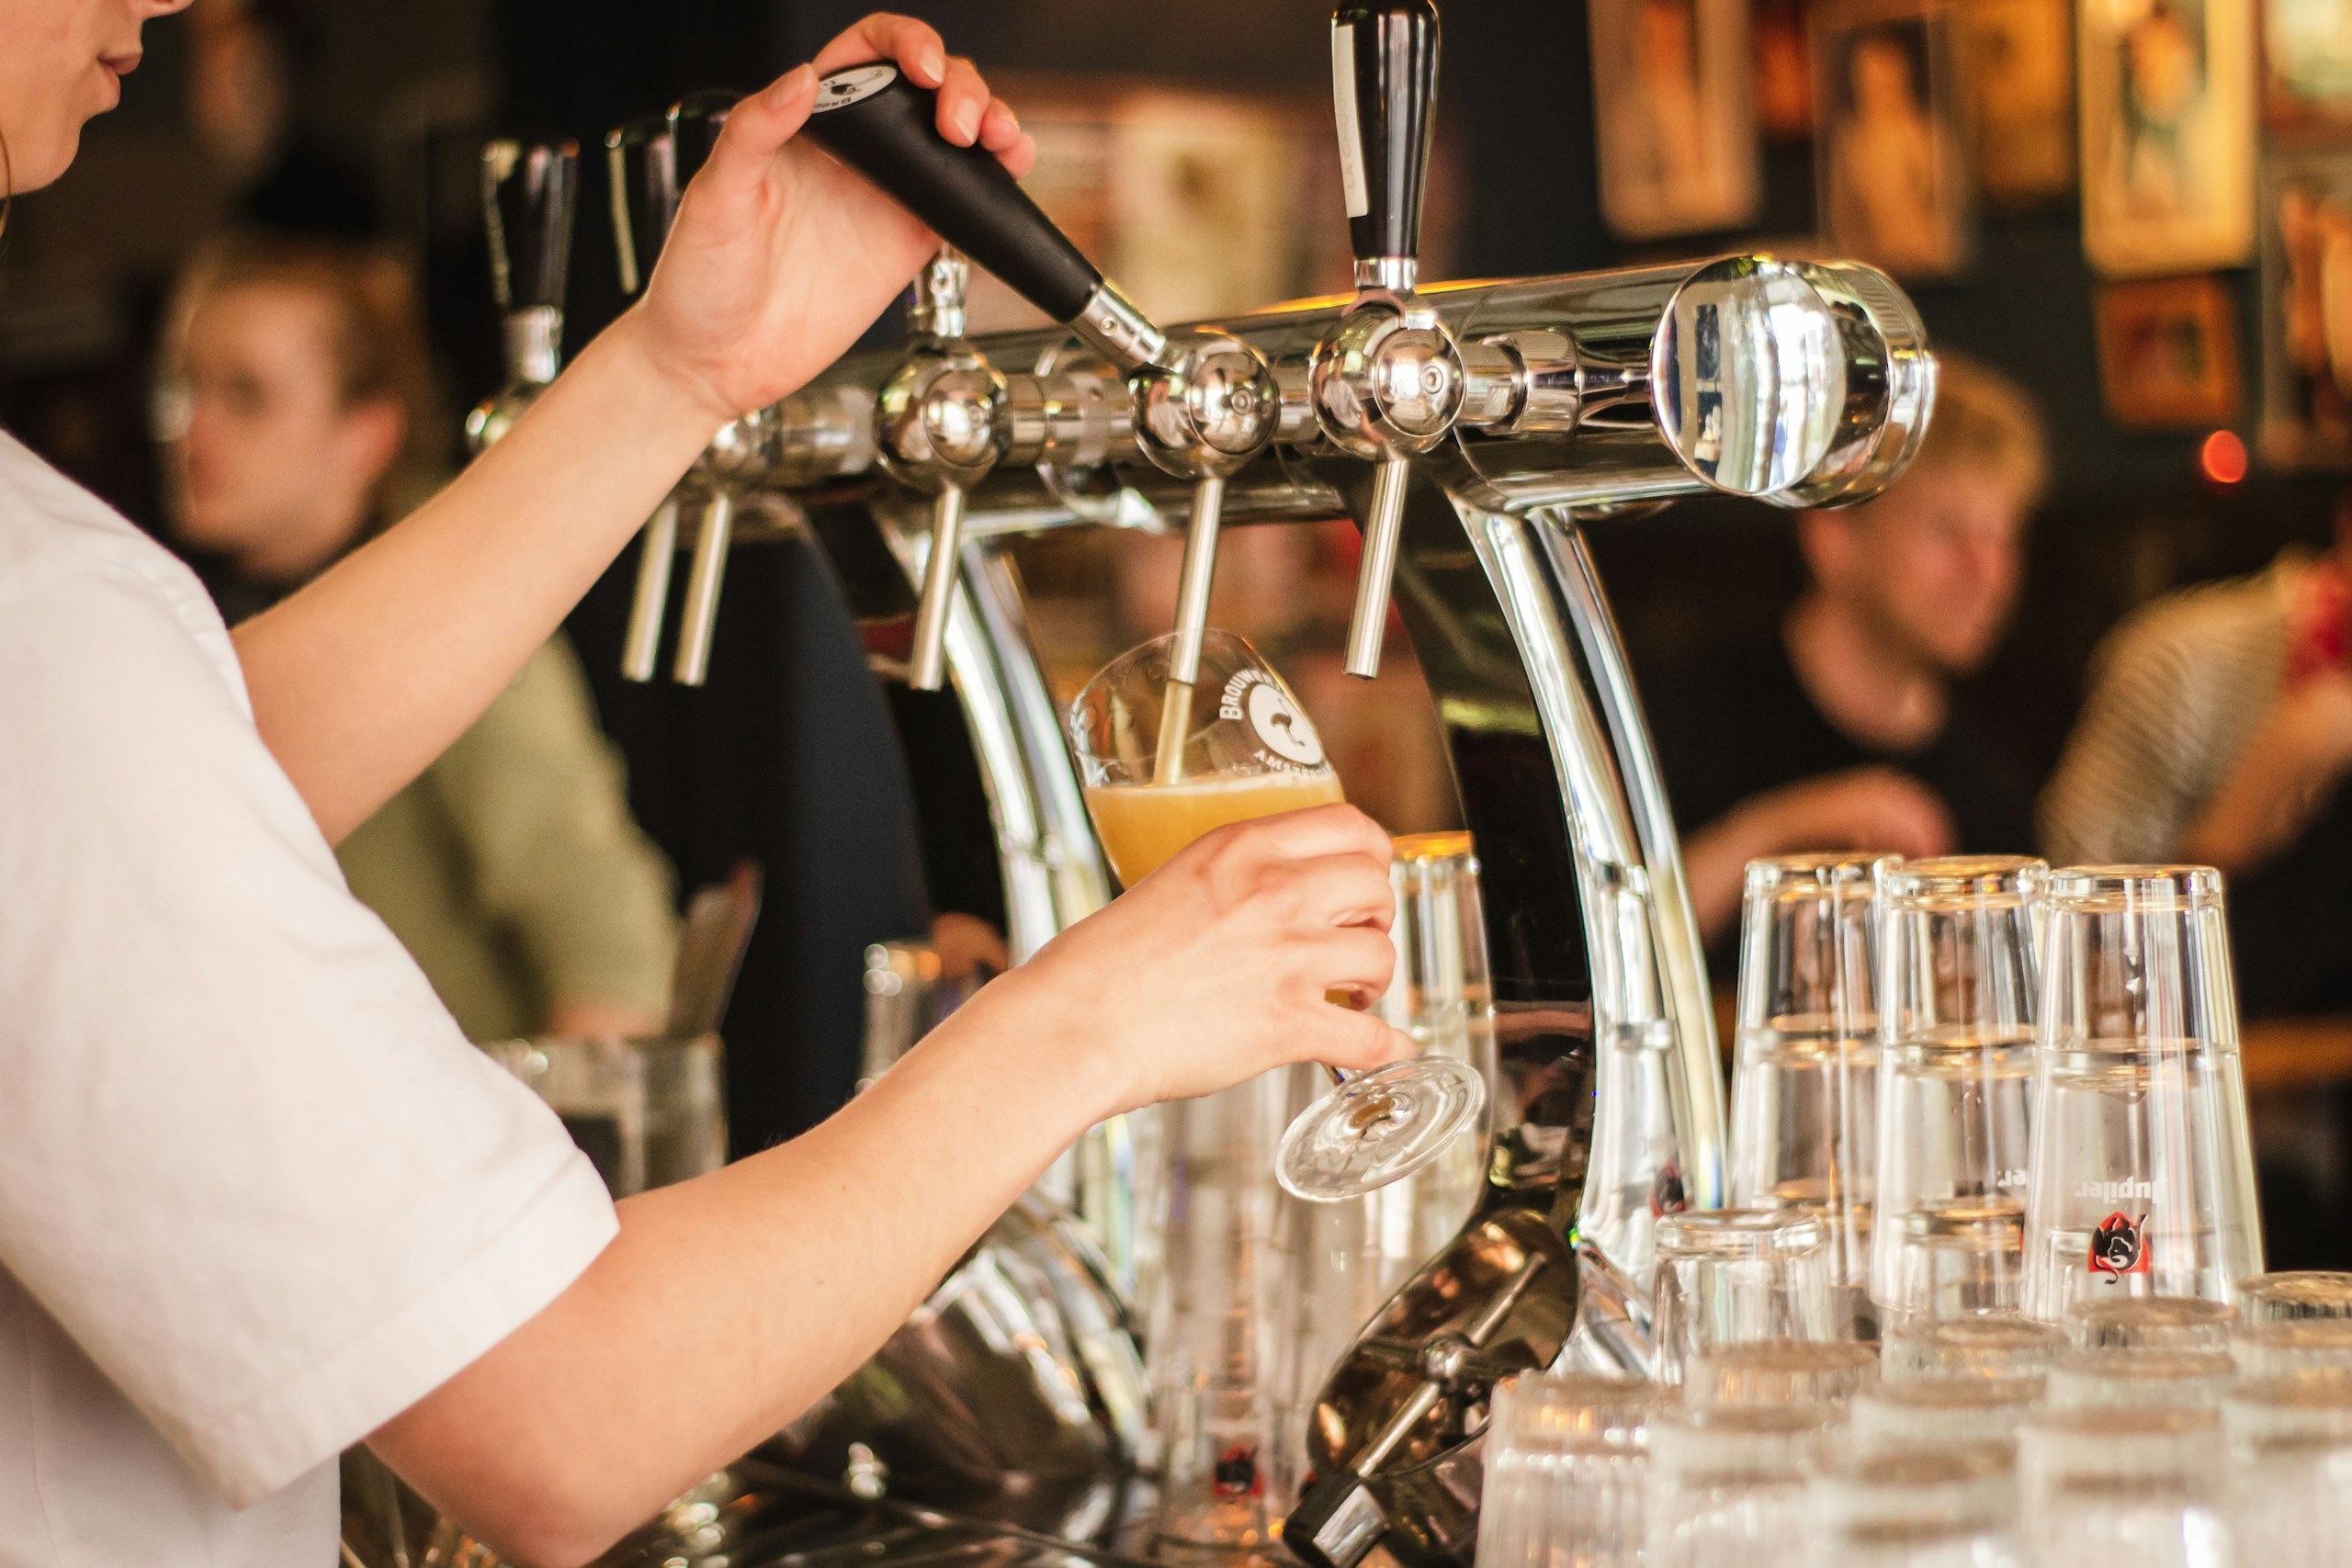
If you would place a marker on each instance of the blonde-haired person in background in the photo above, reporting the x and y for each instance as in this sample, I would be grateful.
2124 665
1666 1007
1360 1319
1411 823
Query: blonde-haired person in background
1845 733
296 416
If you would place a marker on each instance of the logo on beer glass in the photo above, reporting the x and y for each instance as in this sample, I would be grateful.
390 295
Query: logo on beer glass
1236 1472
1253 696
2119 1245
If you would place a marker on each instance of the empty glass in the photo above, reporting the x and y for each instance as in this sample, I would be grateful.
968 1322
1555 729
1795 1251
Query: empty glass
2277 1298
1565 1460
1806 1054
1780 1371
2154 1322
2297 1345
2124 1488
2291 1471
1728 1484
2143 1172
1209 1350
1943 1412
1918 1508
647 1112
1956 992
1736 1276
1970 1347
2138 1379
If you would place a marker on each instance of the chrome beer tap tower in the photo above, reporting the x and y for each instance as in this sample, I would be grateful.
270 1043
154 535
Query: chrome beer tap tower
529 193
1472 431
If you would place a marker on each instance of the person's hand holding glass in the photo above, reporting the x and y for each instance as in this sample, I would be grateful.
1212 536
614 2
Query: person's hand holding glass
1157 777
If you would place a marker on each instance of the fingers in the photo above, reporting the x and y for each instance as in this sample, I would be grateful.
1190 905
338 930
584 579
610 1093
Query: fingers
1359 1041
1314 833
1346 960
962 103
1343 890
913 46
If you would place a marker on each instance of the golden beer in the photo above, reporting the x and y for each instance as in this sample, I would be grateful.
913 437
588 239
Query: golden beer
1141 825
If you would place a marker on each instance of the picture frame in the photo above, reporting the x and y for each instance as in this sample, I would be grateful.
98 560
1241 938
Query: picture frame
1889 141
2306 310
2168 353
2167 122
1675 113
2018 69
2307 67
1781 33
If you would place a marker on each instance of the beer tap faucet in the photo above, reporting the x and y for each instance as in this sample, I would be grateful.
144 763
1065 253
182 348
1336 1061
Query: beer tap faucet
941 424
1389 379
1206 403
652 161
529 189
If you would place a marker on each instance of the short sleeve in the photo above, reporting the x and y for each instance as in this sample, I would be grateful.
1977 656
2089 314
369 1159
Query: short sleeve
247 1160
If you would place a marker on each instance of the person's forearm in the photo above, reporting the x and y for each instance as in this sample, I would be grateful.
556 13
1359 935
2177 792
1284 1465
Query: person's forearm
728 1305
363 677
1714 863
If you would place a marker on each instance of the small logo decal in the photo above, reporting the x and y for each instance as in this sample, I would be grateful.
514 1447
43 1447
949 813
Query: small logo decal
2119 1245
1236 1472
1667 1196
854 86
1280 728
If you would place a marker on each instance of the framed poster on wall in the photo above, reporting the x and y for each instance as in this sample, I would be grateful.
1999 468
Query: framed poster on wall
1672 98
2307 309
2018 65
2168 353
1893 166
2167 88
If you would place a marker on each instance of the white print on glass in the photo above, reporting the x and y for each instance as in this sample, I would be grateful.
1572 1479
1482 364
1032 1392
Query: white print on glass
1252 696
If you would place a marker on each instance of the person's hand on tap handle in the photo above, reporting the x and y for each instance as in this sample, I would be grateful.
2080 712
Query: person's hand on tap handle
781 257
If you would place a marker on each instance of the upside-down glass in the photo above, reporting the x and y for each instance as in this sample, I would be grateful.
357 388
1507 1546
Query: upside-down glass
1969 1348
2282 1348
1956 994
2154 1323
1737 1276
1566 1459
1804 1069
2143 1176
1917 1509
2291 1471
1780 1371
2294 1295
1727 1484
2124 1488
1943 1412
2139 1379
1159 775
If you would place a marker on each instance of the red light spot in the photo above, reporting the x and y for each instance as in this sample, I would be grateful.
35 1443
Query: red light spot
2223 457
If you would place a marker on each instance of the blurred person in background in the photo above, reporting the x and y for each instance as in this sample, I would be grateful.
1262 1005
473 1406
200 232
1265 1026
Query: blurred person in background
246 61
1846 732
2217 729
294 403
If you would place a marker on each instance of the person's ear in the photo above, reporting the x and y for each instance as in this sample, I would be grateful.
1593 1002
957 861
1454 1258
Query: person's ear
375 430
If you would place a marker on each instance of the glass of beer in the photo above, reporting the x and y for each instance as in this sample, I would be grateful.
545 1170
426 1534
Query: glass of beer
1164 762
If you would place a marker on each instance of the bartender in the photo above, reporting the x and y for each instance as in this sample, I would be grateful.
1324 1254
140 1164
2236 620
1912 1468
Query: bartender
259 1199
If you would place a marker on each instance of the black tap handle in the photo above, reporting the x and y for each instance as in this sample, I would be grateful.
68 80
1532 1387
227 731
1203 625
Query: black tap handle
884 126
1384 87
640 157
529 189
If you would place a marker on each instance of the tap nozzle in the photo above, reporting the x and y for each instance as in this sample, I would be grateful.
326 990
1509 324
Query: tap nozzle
942 423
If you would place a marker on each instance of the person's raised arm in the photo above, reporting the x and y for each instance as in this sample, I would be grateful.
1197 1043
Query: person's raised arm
729 1304
779 259
1865 808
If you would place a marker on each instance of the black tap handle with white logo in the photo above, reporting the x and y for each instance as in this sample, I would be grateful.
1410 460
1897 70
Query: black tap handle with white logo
1383 88
884 126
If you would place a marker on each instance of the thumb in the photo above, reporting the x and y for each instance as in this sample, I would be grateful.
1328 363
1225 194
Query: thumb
761 125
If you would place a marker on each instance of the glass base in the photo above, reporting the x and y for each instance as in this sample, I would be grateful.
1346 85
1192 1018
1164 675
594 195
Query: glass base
1377 1127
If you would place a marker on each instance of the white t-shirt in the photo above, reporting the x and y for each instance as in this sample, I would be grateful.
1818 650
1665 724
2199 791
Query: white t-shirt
257 1194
